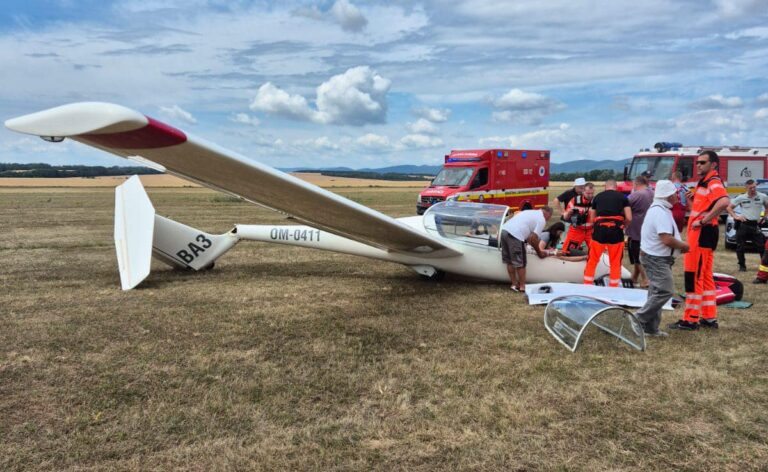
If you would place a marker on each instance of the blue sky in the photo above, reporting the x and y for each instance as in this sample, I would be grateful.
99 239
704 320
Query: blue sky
370 84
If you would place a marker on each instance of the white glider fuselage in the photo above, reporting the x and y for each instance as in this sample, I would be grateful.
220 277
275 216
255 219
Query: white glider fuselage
477 261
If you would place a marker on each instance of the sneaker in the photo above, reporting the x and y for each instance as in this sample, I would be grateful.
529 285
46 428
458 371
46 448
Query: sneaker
705 323
759 281
742 268
657 334
683 325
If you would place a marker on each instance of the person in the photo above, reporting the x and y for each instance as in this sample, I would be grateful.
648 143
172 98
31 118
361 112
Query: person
561 200
762 270
680 208
639 201
525 226
550 237
577 213
709 200
610 213
660 244
752 204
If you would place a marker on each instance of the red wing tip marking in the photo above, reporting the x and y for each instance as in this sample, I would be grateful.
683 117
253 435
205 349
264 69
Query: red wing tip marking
154 135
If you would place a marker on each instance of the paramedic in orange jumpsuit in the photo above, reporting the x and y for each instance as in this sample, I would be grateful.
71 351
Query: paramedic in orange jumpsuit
610 213
577 213
709 200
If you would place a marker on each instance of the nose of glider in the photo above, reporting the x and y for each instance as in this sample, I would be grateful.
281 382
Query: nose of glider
78 118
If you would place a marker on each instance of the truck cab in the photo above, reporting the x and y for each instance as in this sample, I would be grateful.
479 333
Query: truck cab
737 164
516 178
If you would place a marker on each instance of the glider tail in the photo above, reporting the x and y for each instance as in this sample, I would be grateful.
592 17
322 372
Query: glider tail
141 234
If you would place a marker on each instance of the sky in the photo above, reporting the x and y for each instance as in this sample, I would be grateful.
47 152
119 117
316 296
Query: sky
372 84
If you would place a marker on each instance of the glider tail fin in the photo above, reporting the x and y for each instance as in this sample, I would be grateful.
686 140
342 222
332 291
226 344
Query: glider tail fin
141 234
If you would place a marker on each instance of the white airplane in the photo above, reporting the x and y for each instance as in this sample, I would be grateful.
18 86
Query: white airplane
440 241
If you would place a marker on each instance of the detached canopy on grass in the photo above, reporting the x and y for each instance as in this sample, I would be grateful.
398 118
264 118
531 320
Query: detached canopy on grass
566 318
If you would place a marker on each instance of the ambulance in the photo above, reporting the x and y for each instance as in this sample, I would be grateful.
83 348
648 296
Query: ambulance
737 164
513 177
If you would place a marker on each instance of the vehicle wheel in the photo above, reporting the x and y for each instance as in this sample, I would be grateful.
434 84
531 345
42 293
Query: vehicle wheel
728 245
436 277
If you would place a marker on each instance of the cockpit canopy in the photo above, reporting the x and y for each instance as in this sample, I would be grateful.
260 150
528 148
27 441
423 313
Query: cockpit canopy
471 223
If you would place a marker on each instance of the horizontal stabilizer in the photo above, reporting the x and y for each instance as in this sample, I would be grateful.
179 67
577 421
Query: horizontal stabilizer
134 227
183 246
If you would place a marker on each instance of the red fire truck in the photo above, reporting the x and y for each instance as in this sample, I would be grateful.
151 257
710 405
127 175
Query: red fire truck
737 164
513 177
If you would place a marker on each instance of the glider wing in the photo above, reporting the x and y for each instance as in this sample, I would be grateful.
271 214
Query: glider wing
127 133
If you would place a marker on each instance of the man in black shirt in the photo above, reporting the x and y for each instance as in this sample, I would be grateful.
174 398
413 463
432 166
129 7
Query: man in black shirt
562 200
610 213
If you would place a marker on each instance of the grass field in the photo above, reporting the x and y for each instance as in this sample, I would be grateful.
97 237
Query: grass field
292 359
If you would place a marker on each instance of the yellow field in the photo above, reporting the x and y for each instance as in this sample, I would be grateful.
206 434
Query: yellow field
173 182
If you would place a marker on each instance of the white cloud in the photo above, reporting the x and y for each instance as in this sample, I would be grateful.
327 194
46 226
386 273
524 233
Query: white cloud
735 8
422 126
373 141
320 143
177 113
348 16
435 115
524 107
762 98
419 141
356 97
547 137
246 119
717 101
757 32
761 114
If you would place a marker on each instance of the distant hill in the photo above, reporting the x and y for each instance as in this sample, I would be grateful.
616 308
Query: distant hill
582 165
585 165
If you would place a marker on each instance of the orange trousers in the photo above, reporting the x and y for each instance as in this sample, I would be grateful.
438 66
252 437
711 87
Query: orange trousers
615 253
700 290
575 236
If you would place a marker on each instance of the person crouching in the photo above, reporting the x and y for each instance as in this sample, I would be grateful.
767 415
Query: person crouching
525 226
660 243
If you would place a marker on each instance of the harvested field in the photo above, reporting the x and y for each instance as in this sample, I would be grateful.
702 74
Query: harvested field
292 359
166 180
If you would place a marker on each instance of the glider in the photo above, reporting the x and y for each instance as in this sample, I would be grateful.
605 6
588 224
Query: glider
442 241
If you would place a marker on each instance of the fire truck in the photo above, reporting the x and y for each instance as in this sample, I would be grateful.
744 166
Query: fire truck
737 164
513 177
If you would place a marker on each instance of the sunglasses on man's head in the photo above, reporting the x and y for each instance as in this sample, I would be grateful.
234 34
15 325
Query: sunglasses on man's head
701 163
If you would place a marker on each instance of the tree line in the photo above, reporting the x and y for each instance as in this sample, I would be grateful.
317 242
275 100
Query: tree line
49 171
597 175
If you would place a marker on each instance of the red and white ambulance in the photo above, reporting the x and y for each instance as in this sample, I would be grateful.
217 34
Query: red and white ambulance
513 177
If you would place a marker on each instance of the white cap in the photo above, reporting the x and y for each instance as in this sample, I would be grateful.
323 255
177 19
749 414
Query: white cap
579 181
664 188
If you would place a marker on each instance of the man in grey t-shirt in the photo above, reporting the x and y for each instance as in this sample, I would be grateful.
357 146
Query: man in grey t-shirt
639 201
752 204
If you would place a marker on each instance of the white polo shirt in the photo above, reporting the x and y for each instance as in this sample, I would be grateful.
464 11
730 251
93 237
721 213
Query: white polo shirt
524 223
658 219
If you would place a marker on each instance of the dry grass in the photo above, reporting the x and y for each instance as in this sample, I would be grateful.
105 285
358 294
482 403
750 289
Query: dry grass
285 358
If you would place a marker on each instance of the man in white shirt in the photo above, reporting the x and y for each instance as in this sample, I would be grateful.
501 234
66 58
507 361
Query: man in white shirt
660 243
525 226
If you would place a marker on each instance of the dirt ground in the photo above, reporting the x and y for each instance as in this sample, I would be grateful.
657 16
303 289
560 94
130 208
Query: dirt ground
284 358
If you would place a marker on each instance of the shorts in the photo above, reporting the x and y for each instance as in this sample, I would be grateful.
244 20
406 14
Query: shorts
633 248
513 251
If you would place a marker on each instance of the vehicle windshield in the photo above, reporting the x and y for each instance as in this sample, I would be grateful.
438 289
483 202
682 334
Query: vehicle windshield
454 176
657 168
474 223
